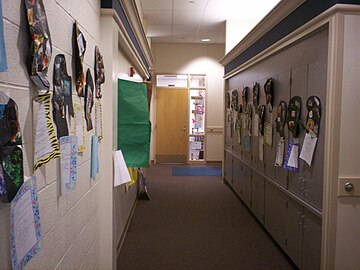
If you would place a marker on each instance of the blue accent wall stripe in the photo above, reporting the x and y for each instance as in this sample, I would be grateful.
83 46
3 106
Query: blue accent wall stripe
300 16
115 4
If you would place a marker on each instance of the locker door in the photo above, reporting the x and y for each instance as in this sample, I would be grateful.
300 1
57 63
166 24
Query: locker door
313 183
298 88
283 93
237 175
245 185
275 218
311 247
228 168
257 196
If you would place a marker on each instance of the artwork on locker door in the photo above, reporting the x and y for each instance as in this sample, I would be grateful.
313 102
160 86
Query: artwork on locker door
79 48
99 72
89 100
3 64
269 93
294 115
292 156
40 49
11 157
313 105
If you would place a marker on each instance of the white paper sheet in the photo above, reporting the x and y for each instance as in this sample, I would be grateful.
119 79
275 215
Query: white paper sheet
79 126
68 163
195 145
122 175
308 148
98 121
294 156
25 225
261 148
280 153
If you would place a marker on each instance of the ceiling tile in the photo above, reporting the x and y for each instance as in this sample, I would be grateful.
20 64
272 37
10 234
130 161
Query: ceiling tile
187 5
156 5
184 30
161 39
158 30
158 17
187 39
187 17
211 29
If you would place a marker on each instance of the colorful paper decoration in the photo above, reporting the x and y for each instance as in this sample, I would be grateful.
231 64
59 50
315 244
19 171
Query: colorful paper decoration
79 129
41 49
89 100
11 157
98 121
292 156
79 48
234 100
294 115
68 163
256 91
46 144
99 72
269 92
281 119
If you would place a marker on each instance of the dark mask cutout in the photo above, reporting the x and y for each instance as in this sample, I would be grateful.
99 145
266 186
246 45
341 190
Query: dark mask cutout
228 100
245 95
99 72
269 92
281 118
89 100
41 52
261 111
256 90
235 100
294 115
79 48
11 158
62 96
313 106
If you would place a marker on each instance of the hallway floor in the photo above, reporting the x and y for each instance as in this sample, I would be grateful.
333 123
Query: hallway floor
195 223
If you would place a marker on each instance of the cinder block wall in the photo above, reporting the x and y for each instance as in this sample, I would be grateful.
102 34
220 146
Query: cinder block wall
70 224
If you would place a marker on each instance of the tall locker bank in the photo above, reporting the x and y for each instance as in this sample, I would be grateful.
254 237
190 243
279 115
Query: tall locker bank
302 58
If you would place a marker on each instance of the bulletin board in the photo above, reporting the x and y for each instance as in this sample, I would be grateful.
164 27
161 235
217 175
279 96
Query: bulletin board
133 123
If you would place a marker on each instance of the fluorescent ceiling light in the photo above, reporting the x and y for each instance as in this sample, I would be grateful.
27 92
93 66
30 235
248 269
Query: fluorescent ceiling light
205 40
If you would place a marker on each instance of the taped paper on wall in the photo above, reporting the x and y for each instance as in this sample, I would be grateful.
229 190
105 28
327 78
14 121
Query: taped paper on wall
308 148
68 163
292 157
79 126
121 173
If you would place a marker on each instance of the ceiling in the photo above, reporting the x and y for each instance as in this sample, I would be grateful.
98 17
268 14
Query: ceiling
190 21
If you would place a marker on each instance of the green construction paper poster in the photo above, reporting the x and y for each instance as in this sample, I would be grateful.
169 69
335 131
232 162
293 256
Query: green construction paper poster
133 123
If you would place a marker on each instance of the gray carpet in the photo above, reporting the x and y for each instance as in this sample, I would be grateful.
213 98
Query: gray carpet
195 223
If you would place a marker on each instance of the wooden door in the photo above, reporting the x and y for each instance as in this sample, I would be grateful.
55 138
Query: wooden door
171 125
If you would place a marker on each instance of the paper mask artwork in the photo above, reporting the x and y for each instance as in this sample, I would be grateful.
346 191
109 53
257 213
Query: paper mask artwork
25 226
11 157
280 128
62 96
89 100
268 134
40 50
3 64
46 143
269 92
79 129
256 90
312 129
79 46
68 163
99 72
292 157
294 115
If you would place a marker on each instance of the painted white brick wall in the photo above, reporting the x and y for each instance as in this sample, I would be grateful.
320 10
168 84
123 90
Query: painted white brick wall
70 224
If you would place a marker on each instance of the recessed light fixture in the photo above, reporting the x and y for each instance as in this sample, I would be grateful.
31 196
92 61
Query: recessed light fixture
191 2
205 40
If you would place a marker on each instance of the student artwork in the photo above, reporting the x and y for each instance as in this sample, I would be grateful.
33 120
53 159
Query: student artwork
256 90
89 100
261 111
79 48
238 122
62 96
280 128
292 157
268 134
245 95
312 129
227 99
94 170
3 64
46 143
235 100
79 129
294 115
269 92
99 72
68 163
40 50
98 121
25 225
11 157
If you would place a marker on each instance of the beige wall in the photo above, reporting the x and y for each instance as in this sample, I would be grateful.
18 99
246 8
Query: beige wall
198 59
